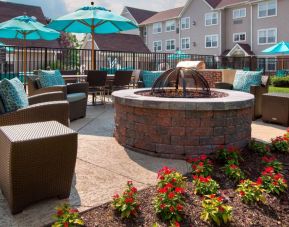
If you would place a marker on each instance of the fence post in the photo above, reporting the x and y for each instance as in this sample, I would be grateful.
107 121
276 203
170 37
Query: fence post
45 58
94 64
133 59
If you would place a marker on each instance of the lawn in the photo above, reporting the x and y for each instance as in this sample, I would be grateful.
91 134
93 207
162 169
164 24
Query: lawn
278 89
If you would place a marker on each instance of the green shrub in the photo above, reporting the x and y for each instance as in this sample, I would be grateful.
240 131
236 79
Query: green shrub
280 81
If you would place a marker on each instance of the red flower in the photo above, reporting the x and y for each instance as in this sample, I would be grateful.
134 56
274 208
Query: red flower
220 199
204 179
179 190
278 176
221 209
275 183
174 180
129 200
180 207
73 211
169 185
59 213
231 149
195 159
171 195
172 209
212 196
162 206
162 177
233 166
203 157
268 169
134 189
242 193
259 181
116 196
66 224
195 177
163 190
201 164
177 224
129 182
194 166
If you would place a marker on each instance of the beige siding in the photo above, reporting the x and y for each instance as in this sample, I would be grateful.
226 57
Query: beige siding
125 13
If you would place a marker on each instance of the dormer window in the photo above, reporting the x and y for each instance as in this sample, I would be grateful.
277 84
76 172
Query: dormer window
211 19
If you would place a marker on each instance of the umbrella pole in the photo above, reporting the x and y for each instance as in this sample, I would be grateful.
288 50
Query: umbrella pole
24 62
92 48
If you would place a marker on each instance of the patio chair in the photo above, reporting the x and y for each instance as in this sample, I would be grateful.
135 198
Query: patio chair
97 84
121 80
76 94
69 72
42 107
135 78
255 90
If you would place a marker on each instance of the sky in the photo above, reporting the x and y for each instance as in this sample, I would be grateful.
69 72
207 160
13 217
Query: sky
56 8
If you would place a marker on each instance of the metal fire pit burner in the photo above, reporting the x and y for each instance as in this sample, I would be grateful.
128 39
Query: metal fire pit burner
181 82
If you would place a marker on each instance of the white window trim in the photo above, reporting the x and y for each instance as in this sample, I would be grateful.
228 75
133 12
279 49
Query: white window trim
236 18
239 33
266 29
184 18
211 24
217 41
170 40
158 41
166 26
161 28
182 43
267 16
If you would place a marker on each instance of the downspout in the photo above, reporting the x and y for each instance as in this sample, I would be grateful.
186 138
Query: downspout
180 33
220 41
251 27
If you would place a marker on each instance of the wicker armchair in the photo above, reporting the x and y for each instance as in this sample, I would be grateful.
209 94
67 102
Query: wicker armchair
71 91
44 107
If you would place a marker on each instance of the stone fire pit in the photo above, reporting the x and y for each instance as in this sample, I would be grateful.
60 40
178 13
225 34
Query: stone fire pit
181 127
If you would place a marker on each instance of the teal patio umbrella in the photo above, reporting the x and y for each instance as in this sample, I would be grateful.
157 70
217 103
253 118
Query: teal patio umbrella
179 55
94 20
279 48
7 48
26 28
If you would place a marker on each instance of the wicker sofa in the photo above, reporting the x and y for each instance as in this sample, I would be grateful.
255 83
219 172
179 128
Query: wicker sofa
76 94
257 91
43 107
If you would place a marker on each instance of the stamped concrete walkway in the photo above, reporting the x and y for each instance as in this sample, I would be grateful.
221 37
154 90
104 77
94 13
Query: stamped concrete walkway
103 168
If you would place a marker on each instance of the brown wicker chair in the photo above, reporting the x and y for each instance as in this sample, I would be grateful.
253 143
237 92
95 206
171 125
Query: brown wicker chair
121 80
44 107
77 106
257 91
69 72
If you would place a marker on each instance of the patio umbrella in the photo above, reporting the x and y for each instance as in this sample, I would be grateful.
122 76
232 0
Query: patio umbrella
179 55
8 49
26 28
94 20
279 48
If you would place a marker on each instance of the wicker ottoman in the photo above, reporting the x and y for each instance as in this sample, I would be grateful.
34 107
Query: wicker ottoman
37 161
275 108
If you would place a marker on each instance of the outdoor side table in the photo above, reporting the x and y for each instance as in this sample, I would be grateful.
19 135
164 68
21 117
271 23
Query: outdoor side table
275 108
37 161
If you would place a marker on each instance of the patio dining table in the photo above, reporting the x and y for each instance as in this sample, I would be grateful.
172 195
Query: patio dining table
78 78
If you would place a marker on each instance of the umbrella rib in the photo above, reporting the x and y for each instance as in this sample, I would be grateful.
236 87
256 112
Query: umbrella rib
116 25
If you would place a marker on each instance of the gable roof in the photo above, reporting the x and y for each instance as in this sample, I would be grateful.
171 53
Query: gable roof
213 3
121 42
140 15
246 48
164 15
10 10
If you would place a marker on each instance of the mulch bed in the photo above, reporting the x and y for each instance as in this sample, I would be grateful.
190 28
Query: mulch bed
274 213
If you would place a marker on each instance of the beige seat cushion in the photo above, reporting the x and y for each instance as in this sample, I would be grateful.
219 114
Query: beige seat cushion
228 76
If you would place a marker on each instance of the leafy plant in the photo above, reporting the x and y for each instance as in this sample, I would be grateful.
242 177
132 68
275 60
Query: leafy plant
214 210
67 217
201 166
229 154
205 185
233 171
169 201
251 192
273 162
273 182
280 144
127 204
280 81
259 148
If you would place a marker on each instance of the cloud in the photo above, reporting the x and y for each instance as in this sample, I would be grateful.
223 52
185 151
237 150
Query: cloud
56 8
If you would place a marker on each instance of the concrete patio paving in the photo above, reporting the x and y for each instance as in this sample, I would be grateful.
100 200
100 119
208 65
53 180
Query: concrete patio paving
103 168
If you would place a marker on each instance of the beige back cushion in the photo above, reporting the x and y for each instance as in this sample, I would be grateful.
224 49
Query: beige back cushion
228 76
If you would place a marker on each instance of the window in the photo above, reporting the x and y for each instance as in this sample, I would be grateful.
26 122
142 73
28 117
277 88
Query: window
267 9
170 25
271 64
185 43
239 37
144 31
157 46
157 28
267 36
211 41
211 19
171 44
185 23
239 13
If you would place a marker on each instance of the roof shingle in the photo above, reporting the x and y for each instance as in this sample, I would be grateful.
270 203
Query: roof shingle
164 15
140 15
224 3
10 10
121 42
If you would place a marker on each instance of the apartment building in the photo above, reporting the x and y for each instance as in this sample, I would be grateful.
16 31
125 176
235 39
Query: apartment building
219 27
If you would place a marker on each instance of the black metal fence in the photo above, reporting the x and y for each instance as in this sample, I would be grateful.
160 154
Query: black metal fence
11 61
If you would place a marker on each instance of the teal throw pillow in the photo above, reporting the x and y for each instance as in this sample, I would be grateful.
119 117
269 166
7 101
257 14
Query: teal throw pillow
252 78
13 95
50 78
150 77
239 80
